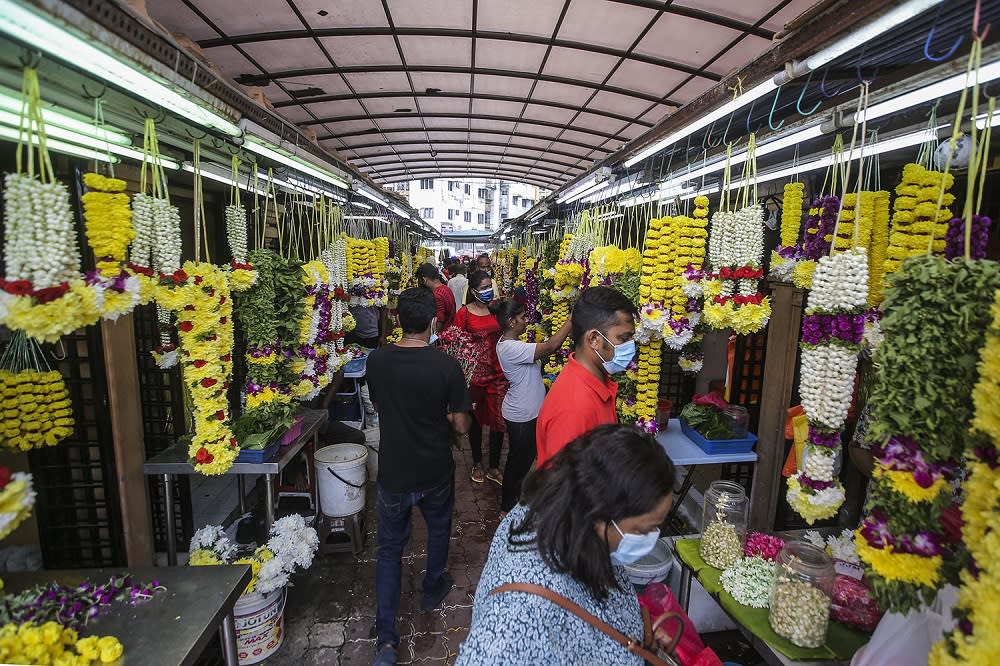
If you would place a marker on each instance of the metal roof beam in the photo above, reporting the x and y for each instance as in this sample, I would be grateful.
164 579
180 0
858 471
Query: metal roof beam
455 142
391 158
400 167
373 31
432 172
701 15
524 135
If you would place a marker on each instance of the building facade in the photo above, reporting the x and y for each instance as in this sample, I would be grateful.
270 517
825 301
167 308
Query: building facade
452 204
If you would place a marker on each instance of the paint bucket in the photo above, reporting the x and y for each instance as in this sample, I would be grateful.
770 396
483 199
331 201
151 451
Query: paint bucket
259 620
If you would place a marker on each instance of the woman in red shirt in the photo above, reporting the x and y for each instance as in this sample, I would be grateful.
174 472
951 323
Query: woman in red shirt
488 384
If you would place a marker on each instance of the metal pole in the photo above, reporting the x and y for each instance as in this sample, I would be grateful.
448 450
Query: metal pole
241 485
269 500
168 494
228 632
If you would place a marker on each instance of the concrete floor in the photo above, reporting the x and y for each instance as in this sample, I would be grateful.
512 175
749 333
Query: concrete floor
330 613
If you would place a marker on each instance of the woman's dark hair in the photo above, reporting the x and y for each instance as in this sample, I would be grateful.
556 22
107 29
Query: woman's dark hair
475 280
598 307
504 311
416 308
610 473
427 271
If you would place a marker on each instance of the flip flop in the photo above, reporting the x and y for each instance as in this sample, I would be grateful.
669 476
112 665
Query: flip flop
477 474
495 476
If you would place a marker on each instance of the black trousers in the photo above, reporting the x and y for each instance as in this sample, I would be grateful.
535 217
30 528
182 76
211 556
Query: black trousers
520 456
476 442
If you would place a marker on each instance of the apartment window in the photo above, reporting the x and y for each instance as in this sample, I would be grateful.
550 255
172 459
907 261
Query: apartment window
483 193
467 216
482 218
453 185
427 213
468 189
427 183
526 203
517 200
451 214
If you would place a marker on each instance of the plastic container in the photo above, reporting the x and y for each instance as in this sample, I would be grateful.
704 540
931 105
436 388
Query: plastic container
723 523
293 433
654 567
713 446
256 456
739 420
800 597
259 620
341 470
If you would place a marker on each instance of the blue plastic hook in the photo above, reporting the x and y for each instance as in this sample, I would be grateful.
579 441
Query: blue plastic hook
798 103
770 116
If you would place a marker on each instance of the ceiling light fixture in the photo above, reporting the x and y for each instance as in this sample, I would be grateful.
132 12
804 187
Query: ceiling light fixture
89 142
267 144
11 103
57 146
39 31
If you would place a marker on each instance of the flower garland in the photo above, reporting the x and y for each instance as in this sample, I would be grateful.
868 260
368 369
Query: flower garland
831 337
936 313
785 256
34 400
199 294
878 248
648 384
817 238
691 357
314 363
739 304
974 641
749 581
17 498
853 211
73 607
654 279
51 643
688 254
955 237
914 220
366 270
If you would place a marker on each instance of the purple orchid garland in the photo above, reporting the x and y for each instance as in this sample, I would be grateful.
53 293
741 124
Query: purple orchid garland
815 244
955 237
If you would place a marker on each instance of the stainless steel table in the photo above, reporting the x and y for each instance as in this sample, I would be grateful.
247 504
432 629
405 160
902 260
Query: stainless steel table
171 628
174 460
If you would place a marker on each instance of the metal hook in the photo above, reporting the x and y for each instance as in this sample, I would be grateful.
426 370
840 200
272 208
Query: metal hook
192 135
822 85
706 143
159 117
857 69
30 58
62 345
798 104
947 54
770 116
90 95
750 115
725 135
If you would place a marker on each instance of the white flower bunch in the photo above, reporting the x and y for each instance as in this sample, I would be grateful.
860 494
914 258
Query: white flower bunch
143 222
720 222
236 232
749 581
132 288
783 271
213 537
676 341
840 547
580 246
820 463
273 575
40 243
840 282
826 384
167 237
294 544
743 238
692 365
828 497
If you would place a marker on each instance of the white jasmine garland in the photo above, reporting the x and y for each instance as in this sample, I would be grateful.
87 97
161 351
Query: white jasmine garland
40 243
167 237
749 581
840 282
720 221
820 463
826 384
143 222
828 497
236 232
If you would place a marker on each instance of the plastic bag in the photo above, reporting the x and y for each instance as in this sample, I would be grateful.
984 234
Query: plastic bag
690 651
853 604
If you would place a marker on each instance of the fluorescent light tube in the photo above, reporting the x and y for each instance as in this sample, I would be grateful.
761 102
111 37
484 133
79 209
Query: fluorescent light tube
749 96
359 204
61 146
38 31
929 93
98 145
11 103
207 171
264 149
578 189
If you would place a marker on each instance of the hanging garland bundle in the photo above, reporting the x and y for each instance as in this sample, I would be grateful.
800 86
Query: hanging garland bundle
107 218
917 221
655 276
691 357
42 293
879 247
688 254
786 255
648 384
313 364
35 403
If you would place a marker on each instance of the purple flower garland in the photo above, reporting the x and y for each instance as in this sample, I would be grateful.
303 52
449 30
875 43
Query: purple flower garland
843 327
815 244
955 237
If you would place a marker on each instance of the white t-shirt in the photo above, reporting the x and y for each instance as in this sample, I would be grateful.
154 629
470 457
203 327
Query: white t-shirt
524 398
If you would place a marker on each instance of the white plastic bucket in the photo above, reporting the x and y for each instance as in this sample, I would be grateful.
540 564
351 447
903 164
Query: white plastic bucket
341 470
654 567
259 620
372 462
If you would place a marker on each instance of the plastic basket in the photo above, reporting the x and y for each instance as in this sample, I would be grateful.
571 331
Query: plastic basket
355 366
259 455
293 433
710 446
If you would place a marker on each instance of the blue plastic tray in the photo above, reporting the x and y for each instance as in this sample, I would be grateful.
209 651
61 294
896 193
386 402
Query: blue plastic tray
711 446
260 455
355 366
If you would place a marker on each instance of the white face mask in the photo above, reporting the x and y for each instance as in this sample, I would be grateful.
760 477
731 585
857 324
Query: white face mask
633 547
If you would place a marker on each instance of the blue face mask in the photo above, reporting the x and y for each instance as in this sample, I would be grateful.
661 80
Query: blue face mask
633 547
623 356
485 296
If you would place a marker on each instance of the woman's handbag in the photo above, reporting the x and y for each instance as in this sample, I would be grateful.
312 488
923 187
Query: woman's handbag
647 648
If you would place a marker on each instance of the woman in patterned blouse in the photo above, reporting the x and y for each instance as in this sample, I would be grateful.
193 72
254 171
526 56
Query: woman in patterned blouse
598 505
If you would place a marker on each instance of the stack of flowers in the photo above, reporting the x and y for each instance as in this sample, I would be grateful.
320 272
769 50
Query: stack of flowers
831 341
35 403
42 293
107 219
531 290
878 248
366 271
312 364
974 640
689 236
739 251
786 255
200 296
817 238
695 281
17 498
936 315
916 216
291 546
334 259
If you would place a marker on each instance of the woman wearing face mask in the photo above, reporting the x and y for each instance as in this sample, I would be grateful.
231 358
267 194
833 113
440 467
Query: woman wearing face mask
521 362
596 507
488 385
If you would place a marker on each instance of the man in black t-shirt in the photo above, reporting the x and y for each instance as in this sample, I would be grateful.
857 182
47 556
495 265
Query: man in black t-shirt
421 395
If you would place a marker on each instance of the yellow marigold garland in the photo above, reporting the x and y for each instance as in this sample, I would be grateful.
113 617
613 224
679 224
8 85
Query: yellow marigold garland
201 297
791 214
913 219
878 247
107 218
51 643
903 483
36 409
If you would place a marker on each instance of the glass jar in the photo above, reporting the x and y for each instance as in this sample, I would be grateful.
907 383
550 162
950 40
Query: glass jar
800 597
723 524
739 420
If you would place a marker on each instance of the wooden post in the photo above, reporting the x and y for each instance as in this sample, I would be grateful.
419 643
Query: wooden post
126 427
776 396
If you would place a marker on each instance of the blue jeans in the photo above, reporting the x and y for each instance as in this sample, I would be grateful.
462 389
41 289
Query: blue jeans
394 513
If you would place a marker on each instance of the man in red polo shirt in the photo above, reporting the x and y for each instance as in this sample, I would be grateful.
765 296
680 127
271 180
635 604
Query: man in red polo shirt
583 396
428 276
